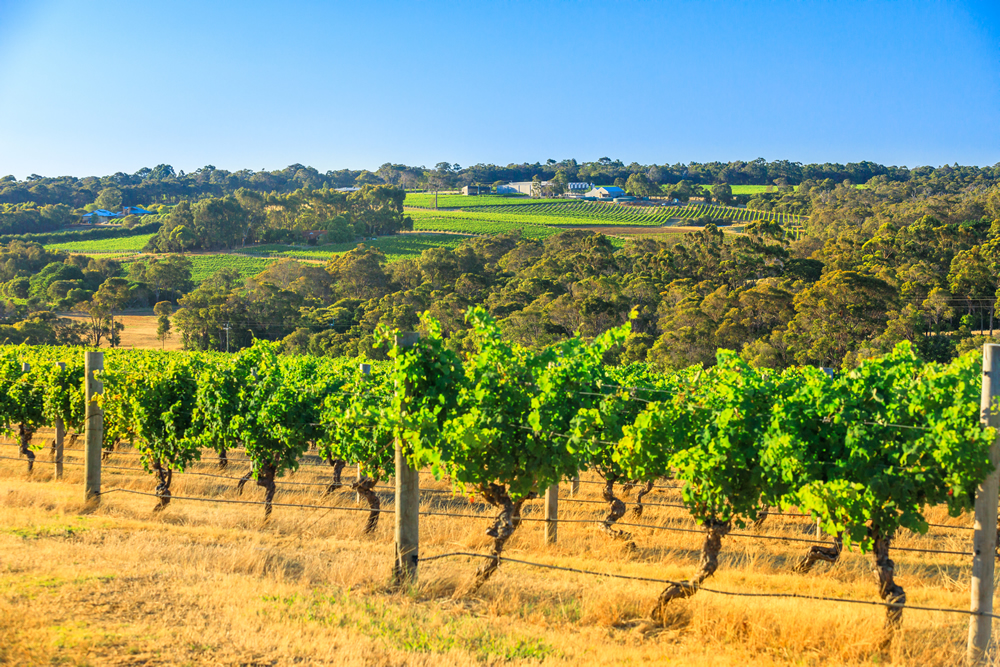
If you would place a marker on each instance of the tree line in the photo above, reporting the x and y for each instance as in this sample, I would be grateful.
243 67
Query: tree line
869 268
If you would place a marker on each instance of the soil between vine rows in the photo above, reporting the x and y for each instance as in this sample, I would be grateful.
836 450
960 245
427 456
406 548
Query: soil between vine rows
206 583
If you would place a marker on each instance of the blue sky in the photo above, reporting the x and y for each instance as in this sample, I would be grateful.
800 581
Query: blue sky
104 86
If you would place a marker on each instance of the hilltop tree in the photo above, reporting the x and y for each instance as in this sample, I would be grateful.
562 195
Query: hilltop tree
723 193
110 199
639 185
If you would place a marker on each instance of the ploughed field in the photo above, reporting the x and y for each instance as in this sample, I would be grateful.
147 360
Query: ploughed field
206 582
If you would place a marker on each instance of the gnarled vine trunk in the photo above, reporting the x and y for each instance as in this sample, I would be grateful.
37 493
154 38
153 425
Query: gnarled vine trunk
243 480
892 593
223 459
106 452
765 511
640 494
503 526
265 480
364 487
24 434
164 477
616 510
830 554
338 468
709 563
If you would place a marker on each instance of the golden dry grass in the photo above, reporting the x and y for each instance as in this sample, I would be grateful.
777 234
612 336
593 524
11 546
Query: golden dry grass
140 332
208 583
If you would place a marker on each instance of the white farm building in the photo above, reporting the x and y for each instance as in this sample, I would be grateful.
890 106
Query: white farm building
519 187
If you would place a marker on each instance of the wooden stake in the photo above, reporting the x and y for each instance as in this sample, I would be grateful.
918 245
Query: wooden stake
404 570
984 536
551 513
57 444
575 487
94 427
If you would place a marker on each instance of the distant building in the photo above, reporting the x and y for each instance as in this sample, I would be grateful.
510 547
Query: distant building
313 235
477 190
579 188
346 189
516 188
98 216
135 210
609 192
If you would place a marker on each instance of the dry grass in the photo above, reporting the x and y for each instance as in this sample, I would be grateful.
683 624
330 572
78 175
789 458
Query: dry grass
208 583
140 332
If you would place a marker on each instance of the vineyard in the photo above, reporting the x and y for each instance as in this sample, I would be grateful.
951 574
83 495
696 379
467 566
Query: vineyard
442 221
124 244
203 266
727 471
576 214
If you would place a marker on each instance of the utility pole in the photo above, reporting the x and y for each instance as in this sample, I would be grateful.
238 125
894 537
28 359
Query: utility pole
227 329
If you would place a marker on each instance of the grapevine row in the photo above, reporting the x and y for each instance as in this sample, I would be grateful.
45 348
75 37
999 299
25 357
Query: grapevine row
865 452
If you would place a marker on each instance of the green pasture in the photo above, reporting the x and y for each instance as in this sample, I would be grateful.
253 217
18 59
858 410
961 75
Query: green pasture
426 200
395 247
748 189
123 244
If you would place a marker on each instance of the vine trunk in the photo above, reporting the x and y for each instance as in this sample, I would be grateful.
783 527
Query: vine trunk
364 487
338 468
709 563
892 593
24 434
616 511
164 476
503 526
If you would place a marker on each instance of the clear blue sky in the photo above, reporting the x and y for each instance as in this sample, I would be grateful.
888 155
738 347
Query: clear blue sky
91 88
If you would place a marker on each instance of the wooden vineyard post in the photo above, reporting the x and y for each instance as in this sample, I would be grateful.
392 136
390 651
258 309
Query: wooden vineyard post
404 569
94 426
366 370
575 487
984 536
551 513
57 444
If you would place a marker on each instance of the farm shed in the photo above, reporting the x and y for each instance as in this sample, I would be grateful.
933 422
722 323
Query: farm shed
477 190
519 187
135 210
99 215
609 192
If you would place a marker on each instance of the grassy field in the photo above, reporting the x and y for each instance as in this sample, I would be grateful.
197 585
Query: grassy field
748 189
395 247
207 584
114 245
426 200
140 331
